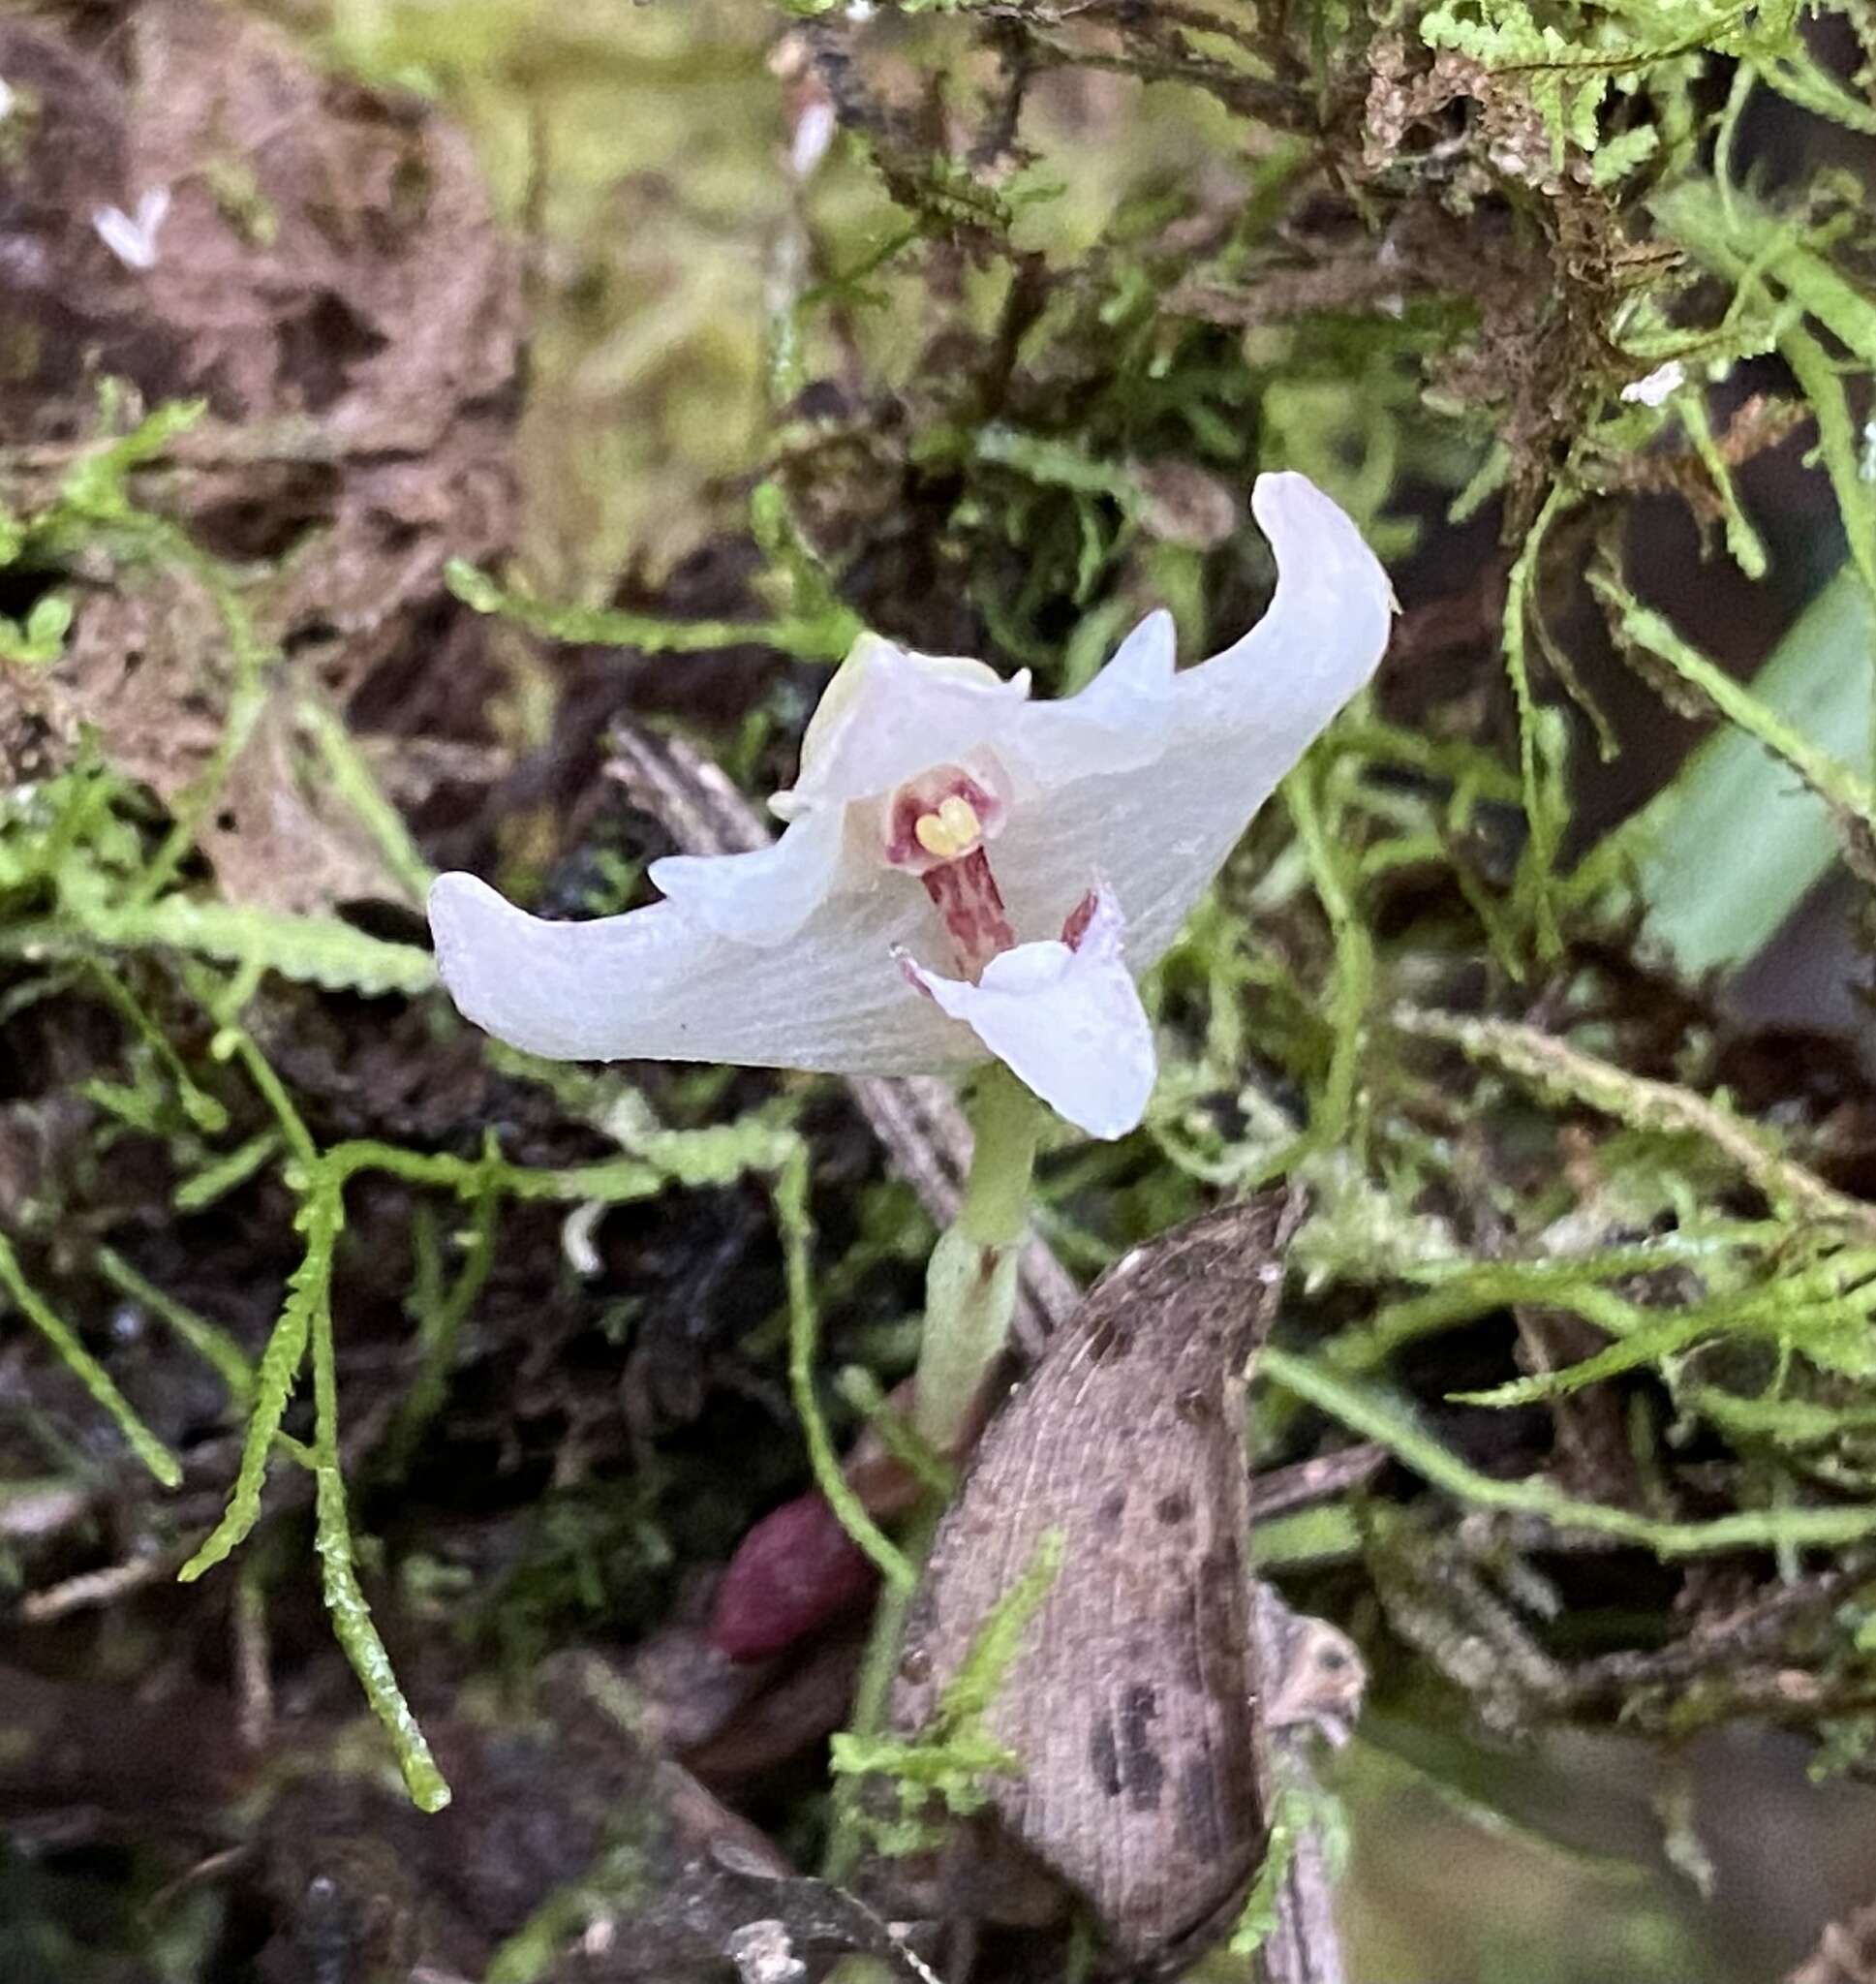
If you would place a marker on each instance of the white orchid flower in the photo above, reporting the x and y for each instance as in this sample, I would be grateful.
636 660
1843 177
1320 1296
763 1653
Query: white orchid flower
964 873
132 238
1657 387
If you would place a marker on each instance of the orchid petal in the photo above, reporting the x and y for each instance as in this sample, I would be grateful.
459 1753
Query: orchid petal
890 714
1118 723
654 987
763 896
1141 670
1159 832
1326 629
1064 1019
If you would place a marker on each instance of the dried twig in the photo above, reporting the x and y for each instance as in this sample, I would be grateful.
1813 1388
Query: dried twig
1314 1681
1304 1946
1755 1631
93 1588
1321 1479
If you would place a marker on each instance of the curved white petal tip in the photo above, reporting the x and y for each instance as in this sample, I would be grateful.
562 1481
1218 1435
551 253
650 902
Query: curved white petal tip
483 945
1310 529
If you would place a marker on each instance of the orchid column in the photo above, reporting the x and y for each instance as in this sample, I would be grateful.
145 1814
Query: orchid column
965 875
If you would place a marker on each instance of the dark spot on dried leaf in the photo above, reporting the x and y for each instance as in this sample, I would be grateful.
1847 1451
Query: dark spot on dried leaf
1140 1762
1105 1756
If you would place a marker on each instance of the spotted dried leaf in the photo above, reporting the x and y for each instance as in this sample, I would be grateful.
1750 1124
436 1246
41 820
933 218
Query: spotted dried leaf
1130 1703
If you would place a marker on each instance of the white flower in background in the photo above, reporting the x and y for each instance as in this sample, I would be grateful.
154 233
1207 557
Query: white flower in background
814 125
133 241
964 873
1652 390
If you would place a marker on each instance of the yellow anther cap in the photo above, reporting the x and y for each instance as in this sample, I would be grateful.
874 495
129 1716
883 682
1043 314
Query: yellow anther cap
954 830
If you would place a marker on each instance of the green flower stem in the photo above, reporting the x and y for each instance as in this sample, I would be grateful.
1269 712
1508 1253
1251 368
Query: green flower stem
969 1296
971 1284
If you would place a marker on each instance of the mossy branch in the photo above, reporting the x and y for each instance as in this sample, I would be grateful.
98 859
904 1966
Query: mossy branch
1554 1064
310 1288
86 1369
789 1191
952 1755
1543 801
1850 797
345 1600
823 637
1386 1420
